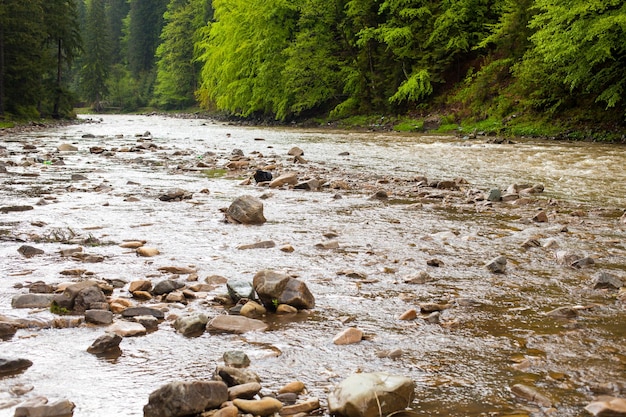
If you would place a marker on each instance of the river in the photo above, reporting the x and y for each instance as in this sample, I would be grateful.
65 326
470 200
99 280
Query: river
494 334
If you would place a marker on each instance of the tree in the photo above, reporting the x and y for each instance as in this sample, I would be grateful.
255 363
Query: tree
145 22
581 44
63 37
243 55
96 61
177 69
21 60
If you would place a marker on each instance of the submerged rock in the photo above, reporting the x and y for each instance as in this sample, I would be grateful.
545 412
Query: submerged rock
235 324
108 342
497 265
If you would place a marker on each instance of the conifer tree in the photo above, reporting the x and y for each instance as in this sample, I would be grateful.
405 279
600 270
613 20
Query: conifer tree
96 60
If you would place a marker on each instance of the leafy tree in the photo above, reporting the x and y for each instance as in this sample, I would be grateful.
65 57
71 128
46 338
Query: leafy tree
243 55
177 69
96 61
580 44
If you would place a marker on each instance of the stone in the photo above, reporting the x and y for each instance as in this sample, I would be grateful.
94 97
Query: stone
295 387
264 407
176 194
191 325
66 147
497 265
606 280
295 151
286 309
176 297
421 277
567 258
371 395
432 307
225 411
147 252
331 244
14 366
309 185
410 314
348 336
178 399
151 323
379 195
236 359
127 329
235 376
240 288
143 311
7 330
530 394
108 342
29 251
178 270
288 178
304 407
265 244
608 407
78 297
132 244
287 248
235 324
563 312
246 391
246 210
540 217
494 195
142 295
61 408
98 316
167 286
252 310
40 287
32 300
262 176
140 285
275 288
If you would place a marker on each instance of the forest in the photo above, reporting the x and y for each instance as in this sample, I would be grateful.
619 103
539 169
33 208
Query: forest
499 64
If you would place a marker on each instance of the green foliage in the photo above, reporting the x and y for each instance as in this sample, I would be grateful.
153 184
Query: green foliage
96 61
55 308
409 125
145 21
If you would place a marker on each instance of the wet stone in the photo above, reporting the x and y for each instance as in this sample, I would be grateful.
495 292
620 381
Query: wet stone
497 265
61 408
98 317
246 210
348 336
264 407
167 286
108 342
143 311
236 359
185 398
245 391
13 366
606 280
32 300
235 376
29 251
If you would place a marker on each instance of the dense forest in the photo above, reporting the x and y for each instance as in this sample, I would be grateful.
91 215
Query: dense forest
490 61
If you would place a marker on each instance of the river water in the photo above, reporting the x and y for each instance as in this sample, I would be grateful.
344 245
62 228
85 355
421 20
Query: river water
494 334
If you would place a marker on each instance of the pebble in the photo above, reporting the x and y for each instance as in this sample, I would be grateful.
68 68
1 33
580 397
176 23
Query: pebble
348 336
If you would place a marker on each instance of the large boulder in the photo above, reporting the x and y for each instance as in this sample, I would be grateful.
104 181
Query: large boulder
240 288
32 300
274 288
371 395
246 210
185 398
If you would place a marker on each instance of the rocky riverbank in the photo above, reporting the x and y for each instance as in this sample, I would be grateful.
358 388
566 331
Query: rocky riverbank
182 298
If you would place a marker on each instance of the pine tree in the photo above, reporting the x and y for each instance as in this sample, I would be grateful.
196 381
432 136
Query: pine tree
145 22
96 60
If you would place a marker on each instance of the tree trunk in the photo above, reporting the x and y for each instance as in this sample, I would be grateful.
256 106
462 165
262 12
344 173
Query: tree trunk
57 87
1 71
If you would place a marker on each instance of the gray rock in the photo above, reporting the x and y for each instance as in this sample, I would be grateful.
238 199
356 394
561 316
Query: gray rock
7 330
235 376
240 288
497 265
143 311
167 286
265 244
494 195
235 324
192 325
13 366
236 359
108 342
78 297
246 210
246 391
40 287
151 323
176 194
371 395
32 300
605 280
178 399
274 288
29 251
98 317
309 185
61 408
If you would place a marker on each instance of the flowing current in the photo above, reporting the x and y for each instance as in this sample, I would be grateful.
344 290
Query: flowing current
493 333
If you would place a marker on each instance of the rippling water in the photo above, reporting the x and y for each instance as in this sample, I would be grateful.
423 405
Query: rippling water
463 367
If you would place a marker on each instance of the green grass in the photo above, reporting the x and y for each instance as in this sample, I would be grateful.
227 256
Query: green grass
6 125
409 125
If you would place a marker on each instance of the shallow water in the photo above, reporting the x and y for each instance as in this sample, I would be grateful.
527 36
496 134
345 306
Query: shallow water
463 366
